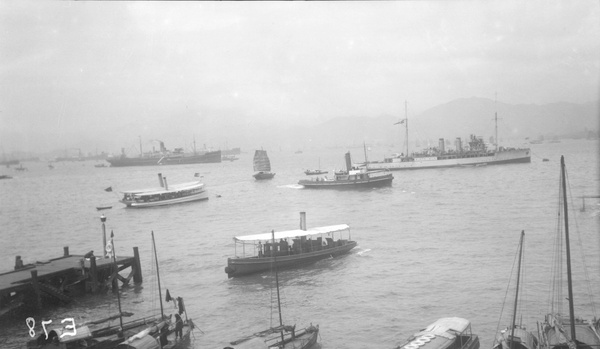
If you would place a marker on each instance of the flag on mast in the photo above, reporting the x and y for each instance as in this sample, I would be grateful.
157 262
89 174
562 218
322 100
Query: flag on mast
400 122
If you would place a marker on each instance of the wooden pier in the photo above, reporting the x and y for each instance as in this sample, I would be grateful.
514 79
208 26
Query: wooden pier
60 279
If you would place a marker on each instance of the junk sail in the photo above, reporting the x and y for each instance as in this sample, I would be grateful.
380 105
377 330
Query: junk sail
261 161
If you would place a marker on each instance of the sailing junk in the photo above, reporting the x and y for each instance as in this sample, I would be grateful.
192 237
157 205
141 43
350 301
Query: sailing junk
262 165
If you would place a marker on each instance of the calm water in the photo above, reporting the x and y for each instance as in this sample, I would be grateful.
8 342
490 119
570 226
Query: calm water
437 243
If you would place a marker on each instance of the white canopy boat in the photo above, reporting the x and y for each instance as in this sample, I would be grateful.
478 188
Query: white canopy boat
165 194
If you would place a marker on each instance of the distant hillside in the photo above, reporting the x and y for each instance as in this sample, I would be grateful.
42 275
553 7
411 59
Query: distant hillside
457 118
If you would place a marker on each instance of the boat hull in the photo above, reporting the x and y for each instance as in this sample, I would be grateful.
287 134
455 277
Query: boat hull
514 156
197 197
208 157
348 184
263 175
251 265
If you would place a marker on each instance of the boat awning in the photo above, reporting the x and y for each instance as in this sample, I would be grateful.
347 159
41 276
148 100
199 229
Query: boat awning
294 233
160 190
447 327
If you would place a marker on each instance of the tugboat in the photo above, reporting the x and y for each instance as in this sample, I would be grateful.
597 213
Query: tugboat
352 177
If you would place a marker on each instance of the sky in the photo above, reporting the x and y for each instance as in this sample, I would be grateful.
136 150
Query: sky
110 72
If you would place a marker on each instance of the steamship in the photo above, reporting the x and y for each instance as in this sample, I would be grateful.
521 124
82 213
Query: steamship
475 153
165 194
165 157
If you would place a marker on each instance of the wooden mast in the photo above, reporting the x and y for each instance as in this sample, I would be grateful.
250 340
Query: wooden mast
162 315
512 331
406 124
114 255
277 285
568 248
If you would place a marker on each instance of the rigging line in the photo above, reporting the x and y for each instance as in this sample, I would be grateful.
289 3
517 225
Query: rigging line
580 243
506 293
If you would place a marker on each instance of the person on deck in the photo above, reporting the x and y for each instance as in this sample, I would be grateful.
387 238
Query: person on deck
178 327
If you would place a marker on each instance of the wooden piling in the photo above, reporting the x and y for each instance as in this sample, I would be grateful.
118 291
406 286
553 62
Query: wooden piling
137 274
36 290
66 251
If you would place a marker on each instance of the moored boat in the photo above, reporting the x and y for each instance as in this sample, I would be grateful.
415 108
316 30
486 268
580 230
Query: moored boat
262 165
293 248
281 336
165 194
474 153
352 177
516 335
445 333
165 157
559 331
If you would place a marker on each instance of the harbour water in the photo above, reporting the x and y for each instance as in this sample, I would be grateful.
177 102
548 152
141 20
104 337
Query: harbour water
436 243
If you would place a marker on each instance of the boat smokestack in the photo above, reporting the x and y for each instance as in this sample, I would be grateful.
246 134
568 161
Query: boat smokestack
166 185
162 147
441 146
348 162
160 180
303 220
458 145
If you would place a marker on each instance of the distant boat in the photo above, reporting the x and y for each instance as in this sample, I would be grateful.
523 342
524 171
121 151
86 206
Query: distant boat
445 333
229 157
262 165
256 253
280 336
318 171
165 194
104 207
298 152
166 157
5 177
100 165
475 153
353 177
21 168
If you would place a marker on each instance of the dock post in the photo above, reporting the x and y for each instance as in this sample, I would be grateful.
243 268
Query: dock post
303 220
66 251
93 274
137 275
36 290
103 219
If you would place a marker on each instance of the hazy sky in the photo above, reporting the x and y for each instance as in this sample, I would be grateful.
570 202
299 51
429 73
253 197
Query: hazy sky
88 70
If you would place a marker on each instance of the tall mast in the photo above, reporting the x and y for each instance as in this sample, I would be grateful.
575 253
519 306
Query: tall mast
365 148
141 152
512 332
496 120
114 254
277 284
569 280
162 315
406 124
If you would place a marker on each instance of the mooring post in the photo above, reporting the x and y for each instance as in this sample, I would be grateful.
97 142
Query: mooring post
66 251
36 290
103 219
93 274
137 274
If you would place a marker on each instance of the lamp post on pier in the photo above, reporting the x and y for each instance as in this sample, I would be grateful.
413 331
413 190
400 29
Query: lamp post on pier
103 219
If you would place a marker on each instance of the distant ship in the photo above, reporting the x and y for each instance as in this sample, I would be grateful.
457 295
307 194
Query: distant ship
166 157
475 154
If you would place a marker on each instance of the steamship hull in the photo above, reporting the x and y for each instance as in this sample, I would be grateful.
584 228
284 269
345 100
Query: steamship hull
513 156
208 157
